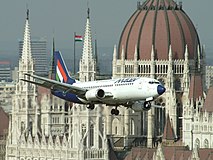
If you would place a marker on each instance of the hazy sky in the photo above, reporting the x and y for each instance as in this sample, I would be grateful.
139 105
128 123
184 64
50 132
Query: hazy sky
64 17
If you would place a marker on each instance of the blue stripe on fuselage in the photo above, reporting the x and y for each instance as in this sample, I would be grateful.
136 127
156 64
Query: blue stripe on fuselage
68 96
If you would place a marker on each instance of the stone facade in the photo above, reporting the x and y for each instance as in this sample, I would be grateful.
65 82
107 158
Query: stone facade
46 127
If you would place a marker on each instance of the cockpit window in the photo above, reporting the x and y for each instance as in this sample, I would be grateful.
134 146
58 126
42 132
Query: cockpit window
154 82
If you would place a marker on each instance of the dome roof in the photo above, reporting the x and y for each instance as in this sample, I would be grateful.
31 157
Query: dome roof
159 23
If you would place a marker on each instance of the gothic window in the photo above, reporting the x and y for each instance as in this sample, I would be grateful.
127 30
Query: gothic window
177 85
91 135
22 127
164 69
30 103
83 131
206 143
132 126
115 126
31 127
66 130
197 143
66 107
118 69
23 103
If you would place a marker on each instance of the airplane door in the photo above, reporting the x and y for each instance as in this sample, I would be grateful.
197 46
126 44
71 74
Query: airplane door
140 85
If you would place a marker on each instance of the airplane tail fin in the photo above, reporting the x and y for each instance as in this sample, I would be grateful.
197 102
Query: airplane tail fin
61 72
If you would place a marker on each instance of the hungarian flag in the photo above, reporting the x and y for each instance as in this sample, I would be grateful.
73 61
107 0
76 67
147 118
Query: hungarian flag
78 38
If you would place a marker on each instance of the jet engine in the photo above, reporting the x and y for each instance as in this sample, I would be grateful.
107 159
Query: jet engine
95 94
141 106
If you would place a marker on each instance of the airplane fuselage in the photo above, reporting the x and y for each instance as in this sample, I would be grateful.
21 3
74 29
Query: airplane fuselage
116 91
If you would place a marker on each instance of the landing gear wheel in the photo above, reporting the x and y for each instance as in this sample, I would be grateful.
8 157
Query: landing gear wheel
147 105
91 106
115 112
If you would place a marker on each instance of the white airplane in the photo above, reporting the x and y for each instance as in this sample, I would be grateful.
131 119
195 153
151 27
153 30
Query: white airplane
134 92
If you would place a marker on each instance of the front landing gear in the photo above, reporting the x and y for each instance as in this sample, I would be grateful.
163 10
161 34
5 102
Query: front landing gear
91 106
115 111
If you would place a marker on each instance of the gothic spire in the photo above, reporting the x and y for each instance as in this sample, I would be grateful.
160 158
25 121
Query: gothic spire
87 66
87 46
52 67
88 10
26 50
27 14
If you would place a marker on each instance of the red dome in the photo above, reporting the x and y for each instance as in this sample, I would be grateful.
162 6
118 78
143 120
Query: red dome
160 23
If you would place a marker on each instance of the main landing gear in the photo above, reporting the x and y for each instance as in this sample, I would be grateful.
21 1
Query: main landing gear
91 106
115 111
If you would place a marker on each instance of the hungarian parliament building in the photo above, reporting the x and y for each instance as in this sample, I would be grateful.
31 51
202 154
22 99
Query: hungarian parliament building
159 41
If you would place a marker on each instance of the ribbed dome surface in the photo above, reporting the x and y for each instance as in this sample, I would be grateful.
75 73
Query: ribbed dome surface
160 23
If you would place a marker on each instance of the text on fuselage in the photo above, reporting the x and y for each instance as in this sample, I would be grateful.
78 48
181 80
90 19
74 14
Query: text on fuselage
125 80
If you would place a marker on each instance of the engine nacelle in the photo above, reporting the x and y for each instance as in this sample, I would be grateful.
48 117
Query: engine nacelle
95 94
141 106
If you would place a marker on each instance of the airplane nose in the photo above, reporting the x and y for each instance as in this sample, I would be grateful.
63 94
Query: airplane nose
161 89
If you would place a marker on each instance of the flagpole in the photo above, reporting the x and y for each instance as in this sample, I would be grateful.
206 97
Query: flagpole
74 54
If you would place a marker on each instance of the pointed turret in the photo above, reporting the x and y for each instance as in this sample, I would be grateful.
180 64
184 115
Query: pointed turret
87 66
122 54
136 61
170 53
168 134
87 46
52 65
199 57
186 70
25 105
136 53
186 53
153 62
114 53
96 56
26 51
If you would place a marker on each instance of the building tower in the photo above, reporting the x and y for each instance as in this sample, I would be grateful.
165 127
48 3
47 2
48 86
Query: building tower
24 111
87 65
160 41
86 125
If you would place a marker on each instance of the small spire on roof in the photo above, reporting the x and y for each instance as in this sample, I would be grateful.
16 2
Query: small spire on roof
88 10
28 11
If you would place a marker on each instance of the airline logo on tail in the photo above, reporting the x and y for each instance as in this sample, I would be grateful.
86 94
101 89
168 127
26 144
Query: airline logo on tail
60 73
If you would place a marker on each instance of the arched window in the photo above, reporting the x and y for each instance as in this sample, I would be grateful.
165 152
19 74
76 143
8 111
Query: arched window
83 131
22 127
197 143
177 85
23 103
91 135
206 143
115 126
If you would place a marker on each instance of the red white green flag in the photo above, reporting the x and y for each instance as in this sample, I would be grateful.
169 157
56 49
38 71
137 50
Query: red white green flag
78 38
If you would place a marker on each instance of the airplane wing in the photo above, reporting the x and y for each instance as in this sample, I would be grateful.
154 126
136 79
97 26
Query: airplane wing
55 85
